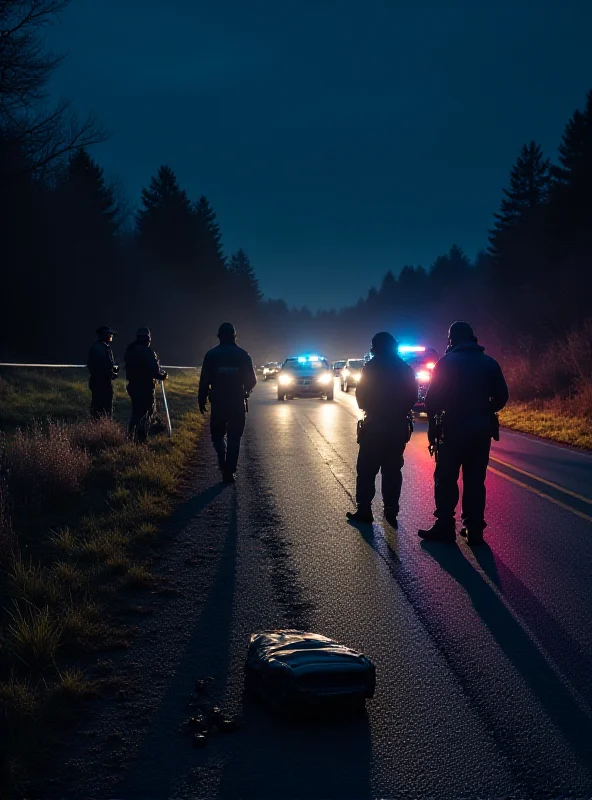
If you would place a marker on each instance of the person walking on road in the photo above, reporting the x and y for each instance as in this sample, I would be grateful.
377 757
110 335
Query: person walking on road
387 392
466 391
227 378
142 370
103 371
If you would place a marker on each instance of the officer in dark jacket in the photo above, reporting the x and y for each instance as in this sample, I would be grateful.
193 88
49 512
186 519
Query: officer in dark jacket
387 392
142 370
467 388
103 372
227 378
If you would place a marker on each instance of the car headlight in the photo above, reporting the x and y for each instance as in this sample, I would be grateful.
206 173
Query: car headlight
285 379
324 379
345 373
357 376
423 375
265 370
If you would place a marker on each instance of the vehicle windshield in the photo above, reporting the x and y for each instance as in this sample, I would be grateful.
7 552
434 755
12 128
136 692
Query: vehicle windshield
356 364
339 364
293 363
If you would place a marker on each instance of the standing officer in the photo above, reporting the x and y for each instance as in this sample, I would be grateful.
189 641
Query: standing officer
103 372
142 370
387 392
468 388
227 378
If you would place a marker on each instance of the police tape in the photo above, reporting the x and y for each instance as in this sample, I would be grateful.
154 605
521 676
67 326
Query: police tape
76 366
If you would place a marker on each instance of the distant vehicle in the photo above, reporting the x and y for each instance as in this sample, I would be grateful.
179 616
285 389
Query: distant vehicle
305 376
422 360
271 369
351 373
337 367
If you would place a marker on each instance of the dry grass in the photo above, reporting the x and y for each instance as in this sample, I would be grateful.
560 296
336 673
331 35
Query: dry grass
139 577
85 505
550 423
33 636
551 389
43 465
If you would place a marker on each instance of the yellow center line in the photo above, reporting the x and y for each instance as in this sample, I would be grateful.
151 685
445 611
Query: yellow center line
559 488
529 488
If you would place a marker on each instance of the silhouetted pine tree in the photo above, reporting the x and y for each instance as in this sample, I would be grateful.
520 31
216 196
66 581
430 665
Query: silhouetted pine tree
209 241
165 222
575 151
245 280
90 200
529 189
449 270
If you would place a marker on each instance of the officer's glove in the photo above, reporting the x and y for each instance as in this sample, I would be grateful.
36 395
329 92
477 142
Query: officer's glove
163 375
203 407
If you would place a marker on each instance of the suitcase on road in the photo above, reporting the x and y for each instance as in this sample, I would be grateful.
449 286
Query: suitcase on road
298 671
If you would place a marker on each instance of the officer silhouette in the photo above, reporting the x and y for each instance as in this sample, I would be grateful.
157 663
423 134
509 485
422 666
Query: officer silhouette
387 392
227 378
103 371
142 370
467 388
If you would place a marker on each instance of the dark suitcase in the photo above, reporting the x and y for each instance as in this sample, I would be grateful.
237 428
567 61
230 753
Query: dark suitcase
299 671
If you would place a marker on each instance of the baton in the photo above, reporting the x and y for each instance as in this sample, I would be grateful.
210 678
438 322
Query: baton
166 408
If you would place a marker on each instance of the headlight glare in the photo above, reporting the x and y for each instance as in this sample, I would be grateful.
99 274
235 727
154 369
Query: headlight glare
324 379
285 379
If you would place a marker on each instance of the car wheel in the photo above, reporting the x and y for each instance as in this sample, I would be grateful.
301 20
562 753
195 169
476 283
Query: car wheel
330 394
342 385
281 396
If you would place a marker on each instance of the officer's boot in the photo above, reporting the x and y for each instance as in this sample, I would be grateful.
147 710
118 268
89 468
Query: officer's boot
441 531
362 514
390 515
473 535
227 476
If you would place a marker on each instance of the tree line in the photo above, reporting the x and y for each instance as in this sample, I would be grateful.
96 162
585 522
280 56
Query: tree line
74 257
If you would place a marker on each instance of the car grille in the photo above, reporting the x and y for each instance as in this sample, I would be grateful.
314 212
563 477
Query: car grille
304 382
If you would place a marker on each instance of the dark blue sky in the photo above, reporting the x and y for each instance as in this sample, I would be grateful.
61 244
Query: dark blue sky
335 138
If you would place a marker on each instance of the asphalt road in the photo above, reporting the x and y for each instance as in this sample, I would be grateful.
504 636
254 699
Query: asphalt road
484 657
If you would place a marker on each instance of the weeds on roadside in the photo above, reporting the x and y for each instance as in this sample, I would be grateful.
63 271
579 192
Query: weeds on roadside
33 636
43 466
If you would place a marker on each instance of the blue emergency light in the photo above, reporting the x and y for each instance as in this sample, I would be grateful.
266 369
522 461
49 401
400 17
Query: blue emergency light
411 348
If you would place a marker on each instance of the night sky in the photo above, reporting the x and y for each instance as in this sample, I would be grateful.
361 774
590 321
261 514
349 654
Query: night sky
335 139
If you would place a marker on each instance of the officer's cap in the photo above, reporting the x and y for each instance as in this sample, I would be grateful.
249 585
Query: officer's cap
143 333
105 330
226 331
461 332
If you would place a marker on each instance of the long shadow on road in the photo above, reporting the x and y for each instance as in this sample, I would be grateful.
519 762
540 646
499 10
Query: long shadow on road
565 651
433 604
165 756
521 650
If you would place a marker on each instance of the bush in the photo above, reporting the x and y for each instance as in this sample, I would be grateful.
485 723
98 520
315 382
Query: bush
33 636
43 465
96 435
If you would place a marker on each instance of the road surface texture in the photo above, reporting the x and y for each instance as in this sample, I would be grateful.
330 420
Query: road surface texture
484 657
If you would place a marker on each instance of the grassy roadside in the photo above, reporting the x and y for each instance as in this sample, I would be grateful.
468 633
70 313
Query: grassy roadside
549 421
80 510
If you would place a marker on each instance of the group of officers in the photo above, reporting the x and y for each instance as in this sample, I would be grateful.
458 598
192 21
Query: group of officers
467 390
142 370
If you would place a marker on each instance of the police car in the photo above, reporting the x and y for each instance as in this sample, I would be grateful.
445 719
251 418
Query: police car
423 360
351 373
305 376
